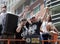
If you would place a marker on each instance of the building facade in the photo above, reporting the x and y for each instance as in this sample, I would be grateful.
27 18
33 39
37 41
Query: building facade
55 10
17 6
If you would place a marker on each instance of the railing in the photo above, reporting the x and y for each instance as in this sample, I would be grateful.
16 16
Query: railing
51 41
9 40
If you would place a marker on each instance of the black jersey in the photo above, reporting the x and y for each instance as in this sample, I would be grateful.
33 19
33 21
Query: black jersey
18 35
36 27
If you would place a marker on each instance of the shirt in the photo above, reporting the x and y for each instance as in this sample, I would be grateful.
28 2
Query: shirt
18 35
43 27
36 27
2 15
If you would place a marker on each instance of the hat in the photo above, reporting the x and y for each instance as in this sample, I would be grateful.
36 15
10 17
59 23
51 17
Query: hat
23 19
32 16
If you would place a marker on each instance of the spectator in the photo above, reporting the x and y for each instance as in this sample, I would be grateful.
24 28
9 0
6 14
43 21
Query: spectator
2 17
43 31
20 29
21 24
52 29
25 12
35 24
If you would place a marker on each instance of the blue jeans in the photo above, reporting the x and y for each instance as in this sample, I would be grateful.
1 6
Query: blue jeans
46 36
41 38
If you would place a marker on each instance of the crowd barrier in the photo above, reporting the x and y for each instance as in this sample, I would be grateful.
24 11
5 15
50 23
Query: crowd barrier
34 40
10 40
13 40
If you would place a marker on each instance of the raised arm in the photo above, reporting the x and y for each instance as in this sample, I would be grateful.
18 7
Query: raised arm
19 28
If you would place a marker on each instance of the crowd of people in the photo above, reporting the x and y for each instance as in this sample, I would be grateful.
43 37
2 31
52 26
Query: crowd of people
42 26
33 26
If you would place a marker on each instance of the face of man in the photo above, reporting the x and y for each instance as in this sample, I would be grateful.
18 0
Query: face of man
4 9
27 8
24 22
33 20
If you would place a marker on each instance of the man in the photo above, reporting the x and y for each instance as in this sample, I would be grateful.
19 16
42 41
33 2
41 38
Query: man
20 29
34 29
21 26
35 25
2 16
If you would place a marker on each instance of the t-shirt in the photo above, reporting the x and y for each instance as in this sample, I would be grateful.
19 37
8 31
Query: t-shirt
36 27
18 35
2 15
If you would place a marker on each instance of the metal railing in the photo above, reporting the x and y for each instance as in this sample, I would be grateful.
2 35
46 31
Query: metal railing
13 40
9 40
51 41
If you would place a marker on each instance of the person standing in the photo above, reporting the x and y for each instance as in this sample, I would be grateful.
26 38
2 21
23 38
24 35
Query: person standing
2 20
23 25
35 25
43 31
52 30
2 15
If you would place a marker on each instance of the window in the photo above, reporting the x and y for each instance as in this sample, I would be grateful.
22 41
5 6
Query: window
36 9
55 3
44 3
58 26
57 20
56 16
32 1
48 2
56 10
19 10
48 5
28 15
27 2
53 0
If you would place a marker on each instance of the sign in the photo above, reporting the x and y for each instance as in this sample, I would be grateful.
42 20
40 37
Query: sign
35 40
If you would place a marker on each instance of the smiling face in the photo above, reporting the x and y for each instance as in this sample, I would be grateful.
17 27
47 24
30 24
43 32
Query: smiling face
4 9
33 20
23 21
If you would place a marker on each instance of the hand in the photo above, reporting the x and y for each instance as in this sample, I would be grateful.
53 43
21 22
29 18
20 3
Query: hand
29 21
18 30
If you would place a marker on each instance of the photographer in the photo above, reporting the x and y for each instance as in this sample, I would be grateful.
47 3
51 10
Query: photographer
20 29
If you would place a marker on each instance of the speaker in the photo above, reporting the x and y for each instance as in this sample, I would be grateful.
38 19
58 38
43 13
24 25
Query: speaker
10 25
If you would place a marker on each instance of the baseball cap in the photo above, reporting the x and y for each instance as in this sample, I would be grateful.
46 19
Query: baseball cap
31 17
